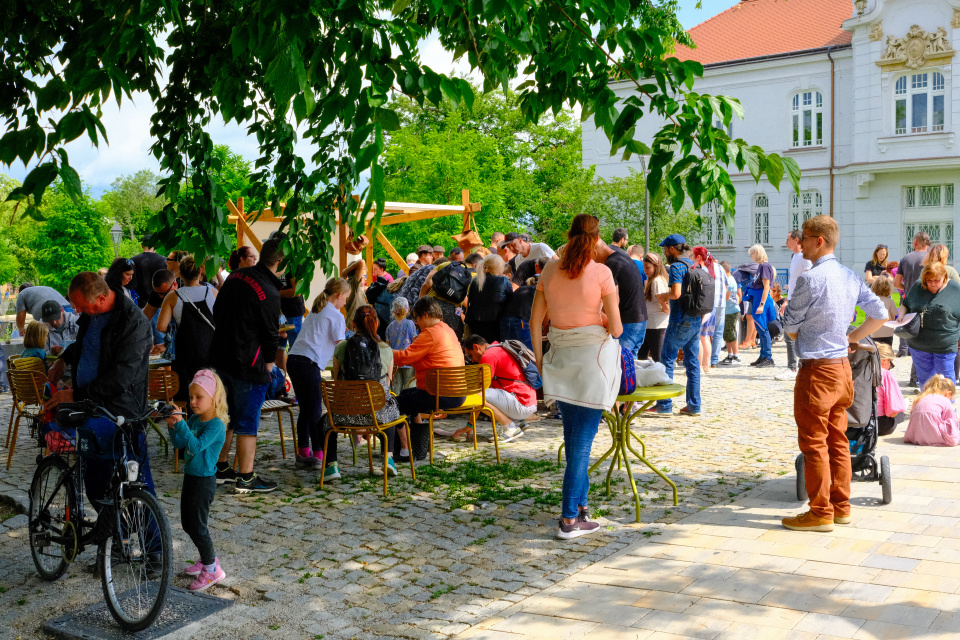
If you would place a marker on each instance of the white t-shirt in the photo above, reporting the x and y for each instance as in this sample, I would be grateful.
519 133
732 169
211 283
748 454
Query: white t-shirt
319 335
657 319
537 250
797 266
719 285
196 295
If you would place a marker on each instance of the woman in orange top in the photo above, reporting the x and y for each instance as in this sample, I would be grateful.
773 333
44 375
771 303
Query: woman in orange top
436 346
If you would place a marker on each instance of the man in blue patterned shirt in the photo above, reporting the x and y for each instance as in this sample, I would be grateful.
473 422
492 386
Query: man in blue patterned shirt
817 318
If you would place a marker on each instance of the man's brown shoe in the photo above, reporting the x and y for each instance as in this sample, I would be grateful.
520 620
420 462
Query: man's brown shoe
839 518
808 522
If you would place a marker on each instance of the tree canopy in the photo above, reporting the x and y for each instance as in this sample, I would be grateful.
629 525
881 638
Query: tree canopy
323 73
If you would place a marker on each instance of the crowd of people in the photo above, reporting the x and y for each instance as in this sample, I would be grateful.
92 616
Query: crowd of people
234 337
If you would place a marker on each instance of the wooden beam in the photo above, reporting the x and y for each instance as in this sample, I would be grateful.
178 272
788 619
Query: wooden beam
369 254
342 243
242 226
419 215
393 252
240 214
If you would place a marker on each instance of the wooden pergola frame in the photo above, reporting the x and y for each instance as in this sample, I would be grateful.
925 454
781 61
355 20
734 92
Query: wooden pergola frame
393 213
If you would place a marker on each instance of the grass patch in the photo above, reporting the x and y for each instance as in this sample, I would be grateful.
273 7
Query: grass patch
475 482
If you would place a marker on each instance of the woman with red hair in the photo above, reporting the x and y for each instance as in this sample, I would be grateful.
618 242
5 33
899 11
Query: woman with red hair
581 372
713 321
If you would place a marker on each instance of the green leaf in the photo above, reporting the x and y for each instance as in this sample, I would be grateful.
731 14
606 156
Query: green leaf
774 170
71 182
793 173
386 118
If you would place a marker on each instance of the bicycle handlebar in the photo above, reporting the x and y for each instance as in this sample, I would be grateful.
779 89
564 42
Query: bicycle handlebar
90 408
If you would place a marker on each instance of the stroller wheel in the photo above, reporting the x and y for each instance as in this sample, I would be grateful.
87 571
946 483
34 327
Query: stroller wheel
885 480
801 479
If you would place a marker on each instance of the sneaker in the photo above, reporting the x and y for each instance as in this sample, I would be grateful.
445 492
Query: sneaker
766 363
729 361
808 522
391 468
227 475
789 374
509 435
687 412
206 580
756 363
582 515
331 472
658 410
577 528
310 461
255 484
194 570
841 519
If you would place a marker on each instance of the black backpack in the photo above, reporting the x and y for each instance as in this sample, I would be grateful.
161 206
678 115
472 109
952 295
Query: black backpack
361 360
697 292
193 340
452 282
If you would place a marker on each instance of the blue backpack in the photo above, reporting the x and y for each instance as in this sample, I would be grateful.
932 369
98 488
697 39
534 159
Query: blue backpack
628 370
525 360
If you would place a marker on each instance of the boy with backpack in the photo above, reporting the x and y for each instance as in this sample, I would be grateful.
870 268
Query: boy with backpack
691 295
513 392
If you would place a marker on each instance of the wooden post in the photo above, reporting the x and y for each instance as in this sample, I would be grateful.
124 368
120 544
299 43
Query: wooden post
393 252
465 196
369 234
242 216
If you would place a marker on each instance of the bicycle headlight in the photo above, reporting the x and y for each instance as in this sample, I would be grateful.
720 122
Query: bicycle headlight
133 470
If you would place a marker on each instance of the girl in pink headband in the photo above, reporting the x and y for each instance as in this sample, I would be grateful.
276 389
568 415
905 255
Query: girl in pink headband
201 437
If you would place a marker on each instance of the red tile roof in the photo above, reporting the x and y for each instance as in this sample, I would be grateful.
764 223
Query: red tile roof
755 28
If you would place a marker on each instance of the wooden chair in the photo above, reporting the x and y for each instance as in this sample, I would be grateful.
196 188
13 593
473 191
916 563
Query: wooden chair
359 398
470 381
163 385
279 407
27 390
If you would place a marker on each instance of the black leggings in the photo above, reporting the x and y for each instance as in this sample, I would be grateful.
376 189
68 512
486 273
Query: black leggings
652 345
306 378
195 500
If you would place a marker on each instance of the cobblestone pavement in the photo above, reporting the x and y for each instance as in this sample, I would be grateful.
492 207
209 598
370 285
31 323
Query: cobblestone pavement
346 562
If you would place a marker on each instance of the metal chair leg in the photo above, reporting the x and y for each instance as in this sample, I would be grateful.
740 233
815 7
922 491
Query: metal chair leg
13 441
283 446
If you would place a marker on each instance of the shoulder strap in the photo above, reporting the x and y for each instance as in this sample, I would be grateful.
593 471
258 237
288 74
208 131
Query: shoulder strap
190 302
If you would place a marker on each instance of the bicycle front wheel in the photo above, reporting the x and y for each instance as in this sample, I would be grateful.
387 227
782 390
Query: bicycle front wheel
53 518
136 560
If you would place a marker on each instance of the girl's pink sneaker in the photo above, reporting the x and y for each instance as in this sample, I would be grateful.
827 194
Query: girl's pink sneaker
194 570
207 580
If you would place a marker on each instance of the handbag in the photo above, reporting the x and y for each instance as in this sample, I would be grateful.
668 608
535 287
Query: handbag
469 238
912 328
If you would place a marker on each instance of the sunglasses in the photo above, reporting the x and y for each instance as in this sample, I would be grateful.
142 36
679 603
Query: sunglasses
881 246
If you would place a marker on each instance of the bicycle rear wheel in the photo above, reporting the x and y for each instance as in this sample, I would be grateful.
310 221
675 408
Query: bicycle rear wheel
135 562
53 517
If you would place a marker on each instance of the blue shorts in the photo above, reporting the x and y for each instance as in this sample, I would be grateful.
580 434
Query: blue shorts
244 401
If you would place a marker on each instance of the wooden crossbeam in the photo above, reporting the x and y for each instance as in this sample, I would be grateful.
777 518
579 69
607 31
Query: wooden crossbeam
393 252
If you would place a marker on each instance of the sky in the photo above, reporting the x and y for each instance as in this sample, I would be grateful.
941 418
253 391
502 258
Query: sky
128 127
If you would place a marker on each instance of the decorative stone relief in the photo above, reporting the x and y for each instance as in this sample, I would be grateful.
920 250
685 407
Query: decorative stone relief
916 48
955 23
877 32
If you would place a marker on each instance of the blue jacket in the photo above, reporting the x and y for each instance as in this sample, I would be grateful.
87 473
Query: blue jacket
201 442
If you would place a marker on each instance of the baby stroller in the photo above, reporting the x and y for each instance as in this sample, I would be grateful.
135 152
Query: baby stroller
861 424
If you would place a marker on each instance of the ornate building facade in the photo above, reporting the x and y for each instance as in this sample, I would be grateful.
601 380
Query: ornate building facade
864 95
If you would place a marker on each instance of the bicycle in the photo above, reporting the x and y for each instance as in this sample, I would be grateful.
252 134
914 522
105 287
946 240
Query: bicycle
131 531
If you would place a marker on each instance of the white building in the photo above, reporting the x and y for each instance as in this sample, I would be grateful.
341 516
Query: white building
863 95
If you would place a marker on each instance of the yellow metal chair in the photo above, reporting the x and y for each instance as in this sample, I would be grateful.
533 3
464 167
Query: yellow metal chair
27 390
359 398
163 385
470 381
16 363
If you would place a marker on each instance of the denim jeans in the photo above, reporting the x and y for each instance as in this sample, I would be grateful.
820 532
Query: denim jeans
579 429
720 314
516 328
683 335
244 401
930 364
766 344
632 336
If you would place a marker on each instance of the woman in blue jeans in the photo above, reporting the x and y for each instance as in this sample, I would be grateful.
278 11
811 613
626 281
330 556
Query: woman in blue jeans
763 309
581 372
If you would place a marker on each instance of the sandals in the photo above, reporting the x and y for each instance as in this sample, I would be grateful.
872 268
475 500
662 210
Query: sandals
461 435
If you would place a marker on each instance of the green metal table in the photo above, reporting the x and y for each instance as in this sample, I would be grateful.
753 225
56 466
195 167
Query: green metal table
619 425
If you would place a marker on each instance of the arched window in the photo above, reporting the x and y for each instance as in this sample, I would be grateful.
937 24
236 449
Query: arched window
919 102
712 230
803 207
807 113
761 219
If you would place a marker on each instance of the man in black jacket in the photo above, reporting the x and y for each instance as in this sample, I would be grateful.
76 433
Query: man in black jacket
110 364
247 316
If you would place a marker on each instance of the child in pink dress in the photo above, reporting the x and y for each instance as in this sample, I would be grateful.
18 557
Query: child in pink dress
890 402
933 421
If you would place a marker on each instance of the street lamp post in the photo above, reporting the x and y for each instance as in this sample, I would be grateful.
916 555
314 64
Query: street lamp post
116 232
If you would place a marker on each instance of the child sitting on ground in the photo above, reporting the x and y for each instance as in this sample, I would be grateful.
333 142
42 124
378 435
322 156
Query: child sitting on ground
34 341
933 421
890 402
201 437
